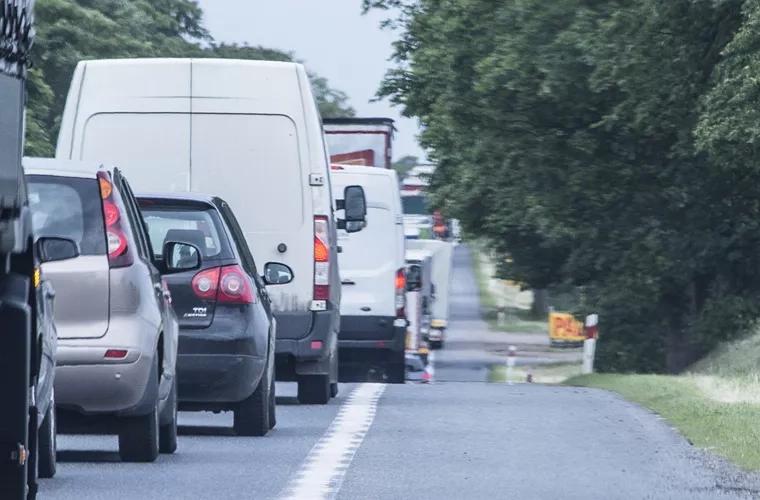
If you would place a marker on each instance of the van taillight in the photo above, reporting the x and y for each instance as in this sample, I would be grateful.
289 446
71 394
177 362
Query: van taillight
401 293
227 284
119 253
321 258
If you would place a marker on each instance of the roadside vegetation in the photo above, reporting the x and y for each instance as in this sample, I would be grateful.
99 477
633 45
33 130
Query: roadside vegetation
607 146
72 30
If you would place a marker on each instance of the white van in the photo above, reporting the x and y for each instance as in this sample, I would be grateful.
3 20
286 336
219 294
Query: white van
246 131
372 270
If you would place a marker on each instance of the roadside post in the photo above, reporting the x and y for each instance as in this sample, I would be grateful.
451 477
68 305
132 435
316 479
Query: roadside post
511 359
589 344
500 315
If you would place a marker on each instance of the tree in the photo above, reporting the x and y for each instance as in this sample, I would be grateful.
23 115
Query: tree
404 165
607 145
69 31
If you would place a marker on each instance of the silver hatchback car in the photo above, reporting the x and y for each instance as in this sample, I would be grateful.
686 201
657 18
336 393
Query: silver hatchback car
117 331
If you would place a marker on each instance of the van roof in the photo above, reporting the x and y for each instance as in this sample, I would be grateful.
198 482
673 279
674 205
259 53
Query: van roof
55 166
363 170
417 254
183 196
195 60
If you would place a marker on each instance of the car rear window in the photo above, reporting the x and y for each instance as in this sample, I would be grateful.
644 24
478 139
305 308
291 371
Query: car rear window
162 218
68 207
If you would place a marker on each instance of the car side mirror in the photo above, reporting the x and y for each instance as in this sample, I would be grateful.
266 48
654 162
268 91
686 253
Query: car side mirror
414 278
276 273
355 204
54 249
180 257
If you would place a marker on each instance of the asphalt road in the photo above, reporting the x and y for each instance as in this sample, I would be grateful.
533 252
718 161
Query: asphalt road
456 438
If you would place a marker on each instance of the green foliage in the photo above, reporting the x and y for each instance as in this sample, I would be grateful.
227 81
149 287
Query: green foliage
404 165
611 145
69 31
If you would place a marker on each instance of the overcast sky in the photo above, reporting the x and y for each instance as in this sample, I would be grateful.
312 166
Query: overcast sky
333 39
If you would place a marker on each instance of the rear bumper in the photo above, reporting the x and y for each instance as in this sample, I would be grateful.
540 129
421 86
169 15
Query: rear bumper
223 363
364 338
86 385
315 345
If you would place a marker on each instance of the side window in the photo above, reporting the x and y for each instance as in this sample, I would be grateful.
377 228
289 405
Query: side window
240 242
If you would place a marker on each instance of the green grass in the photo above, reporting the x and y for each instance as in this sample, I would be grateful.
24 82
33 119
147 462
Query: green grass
517 321
728 428
554 373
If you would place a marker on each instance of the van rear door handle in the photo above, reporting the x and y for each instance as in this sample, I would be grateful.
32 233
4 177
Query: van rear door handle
347 282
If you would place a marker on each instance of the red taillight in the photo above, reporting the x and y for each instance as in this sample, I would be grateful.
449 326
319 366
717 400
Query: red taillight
119 254
227 284
116 354
235 286
206 283
321 258
401 293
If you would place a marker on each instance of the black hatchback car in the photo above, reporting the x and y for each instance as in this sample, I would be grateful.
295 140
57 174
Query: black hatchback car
225 360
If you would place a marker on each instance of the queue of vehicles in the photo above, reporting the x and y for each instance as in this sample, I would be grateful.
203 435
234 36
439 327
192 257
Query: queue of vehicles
190 252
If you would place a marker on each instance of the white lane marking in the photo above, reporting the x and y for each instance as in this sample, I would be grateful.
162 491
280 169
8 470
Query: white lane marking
320 475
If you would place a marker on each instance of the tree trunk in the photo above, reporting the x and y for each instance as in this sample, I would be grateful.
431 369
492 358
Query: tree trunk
680 354
540 306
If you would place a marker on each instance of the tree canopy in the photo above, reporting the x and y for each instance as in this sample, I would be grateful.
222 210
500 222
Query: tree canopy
605 145
69 31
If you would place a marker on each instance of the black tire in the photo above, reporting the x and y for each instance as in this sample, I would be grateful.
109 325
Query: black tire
47 463
252 414
396 373
272 406
314 389
436 345
334 389
138 436
167 434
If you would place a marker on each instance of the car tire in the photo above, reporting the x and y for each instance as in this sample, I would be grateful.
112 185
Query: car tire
252 414
167 434
314 389
272 406
47 463
333 389
138 436
397 373
436 345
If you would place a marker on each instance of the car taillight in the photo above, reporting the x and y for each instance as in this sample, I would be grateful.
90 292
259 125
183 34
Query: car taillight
321 259
119 253
401 293
227 284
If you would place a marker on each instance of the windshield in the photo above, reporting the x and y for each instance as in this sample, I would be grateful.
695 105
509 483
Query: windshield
357 148
415 205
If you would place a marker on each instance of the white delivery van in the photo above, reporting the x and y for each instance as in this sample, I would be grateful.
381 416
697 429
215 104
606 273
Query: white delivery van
246 131
372 270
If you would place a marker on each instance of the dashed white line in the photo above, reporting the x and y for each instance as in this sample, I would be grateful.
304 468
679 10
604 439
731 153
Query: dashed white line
320 476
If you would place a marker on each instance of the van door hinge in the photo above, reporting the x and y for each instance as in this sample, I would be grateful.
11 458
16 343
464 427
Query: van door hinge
399 219
316 180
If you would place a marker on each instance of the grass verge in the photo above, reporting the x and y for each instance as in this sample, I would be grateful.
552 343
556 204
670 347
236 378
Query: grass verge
697 406
517 321
553 373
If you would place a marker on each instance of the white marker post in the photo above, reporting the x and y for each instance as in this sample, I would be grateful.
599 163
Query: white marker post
511 358
589 344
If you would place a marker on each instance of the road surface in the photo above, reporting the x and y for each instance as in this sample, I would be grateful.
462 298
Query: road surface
459 438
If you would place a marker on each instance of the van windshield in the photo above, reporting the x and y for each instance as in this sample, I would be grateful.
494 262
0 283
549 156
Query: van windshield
415 205
357 148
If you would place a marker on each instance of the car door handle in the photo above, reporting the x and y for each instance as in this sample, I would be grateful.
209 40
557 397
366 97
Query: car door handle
347 282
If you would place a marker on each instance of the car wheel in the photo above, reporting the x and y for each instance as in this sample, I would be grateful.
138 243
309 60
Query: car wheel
252 414
333 389
167 434
436 345
272 406
138 436
47 443
397 373
314 389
